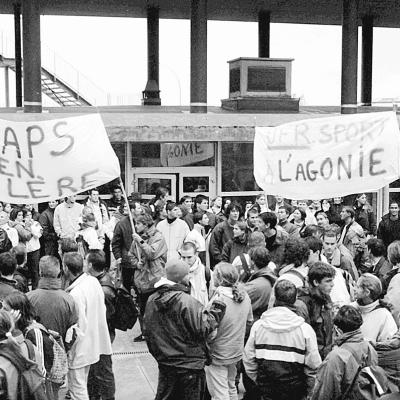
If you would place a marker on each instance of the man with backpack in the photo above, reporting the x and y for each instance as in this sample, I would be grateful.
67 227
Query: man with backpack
101 383
344 374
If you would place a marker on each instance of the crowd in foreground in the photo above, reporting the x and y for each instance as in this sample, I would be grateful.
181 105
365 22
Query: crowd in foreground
296 300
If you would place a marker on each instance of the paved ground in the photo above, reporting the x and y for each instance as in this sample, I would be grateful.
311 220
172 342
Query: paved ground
135 370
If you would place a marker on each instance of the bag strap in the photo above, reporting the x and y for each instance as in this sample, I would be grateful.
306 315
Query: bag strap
244 263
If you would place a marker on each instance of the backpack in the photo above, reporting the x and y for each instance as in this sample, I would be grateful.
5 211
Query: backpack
59 368
5 242
370 381
31 383
126 310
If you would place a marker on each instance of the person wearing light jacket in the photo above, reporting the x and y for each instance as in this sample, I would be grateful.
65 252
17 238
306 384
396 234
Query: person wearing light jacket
281 354
93 338
378 323
174 230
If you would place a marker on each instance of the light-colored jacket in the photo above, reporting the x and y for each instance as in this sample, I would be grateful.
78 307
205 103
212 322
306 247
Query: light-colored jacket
393 297
66 219
150 265
174 234
93 338
198 283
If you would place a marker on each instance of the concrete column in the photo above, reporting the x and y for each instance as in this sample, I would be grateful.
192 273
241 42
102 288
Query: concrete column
366 60
349 56
32 59
152 93
18 56
264 19
198 56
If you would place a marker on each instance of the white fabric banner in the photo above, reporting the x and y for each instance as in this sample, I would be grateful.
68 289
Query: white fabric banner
328 157
48 160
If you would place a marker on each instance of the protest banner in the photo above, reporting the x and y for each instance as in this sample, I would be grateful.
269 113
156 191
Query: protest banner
181 154
328 157
47 160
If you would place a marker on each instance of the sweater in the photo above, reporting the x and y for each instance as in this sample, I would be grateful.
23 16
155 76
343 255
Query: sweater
66 219
378 323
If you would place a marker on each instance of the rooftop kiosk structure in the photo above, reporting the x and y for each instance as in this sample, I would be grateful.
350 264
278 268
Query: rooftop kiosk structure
199 149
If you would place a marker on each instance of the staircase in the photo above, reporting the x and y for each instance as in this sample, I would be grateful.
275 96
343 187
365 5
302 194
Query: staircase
54 87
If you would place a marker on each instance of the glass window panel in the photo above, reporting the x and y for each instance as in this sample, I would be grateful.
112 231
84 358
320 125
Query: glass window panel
188 154
395 184
196 184
150 185
237 167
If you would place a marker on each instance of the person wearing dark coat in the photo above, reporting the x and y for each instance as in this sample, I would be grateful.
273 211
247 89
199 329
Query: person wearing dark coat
120 245
237 245
176 327
389 227
364 214
8 265
49 237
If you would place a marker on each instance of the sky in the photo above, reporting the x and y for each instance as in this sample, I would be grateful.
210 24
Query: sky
111 52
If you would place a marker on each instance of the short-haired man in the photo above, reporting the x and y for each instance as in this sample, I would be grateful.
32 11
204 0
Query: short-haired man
101 383
353 238
253 220
174 230
175 322
260 283
337 372
148 256
117 200
8 265
223 232
201 204
377 255
185 204
275 236
281 354
337 254
389 227
67 216
283 215
318 305
46 221
199 276
94 339
62 313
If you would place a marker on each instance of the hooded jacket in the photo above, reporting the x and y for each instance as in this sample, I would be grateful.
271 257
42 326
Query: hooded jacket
389 230
339 368
176 326
281 355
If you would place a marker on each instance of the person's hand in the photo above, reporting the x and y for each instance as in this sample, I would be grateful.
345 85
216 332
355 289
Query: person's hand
137 238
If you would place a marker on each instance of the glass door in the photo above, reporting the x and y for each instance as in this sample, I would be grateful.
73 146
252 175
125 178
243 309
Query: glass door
147 184
199 180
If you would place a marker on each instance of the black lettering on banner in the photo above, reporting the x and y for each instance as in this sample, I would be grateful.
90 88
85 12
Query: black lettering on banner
14 195
374 162
85 181
301 130
361 162
281 178
300 171
311 173
3 167
28 170
70 139
35 190
326 162
65 183
31 142
325 134
198 148
7 142
337 130
347 169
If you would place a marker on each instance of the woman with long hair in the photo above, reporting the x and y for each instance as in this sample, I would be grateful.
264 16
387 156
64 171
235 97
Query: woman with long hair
226 348
364 214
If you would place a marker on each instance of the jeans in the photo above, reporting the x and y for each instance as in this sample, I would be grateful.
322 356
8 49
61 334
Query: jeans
180 383
32 262
101 382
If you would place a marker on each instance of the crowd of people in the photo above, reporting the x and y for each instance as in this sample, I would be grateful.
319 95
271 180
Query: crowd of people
293 299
